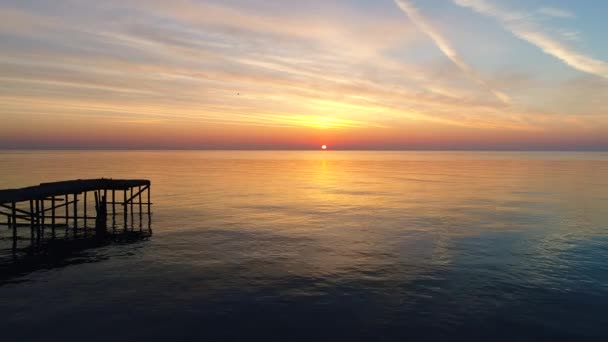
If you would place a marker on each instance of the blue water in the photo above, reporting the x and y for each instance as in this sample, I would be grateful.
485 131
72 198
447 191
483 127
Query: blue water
307 246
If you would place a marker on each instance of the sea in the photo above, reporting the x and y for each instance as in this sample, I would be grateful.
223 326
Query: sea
328 246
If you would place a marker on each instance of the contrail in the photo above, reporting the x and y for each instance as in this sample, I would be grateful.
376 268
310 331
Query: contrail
522 26
442 43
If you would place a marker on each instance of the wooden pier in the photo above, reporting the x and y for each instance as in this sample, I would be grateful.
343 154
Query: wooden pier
74 210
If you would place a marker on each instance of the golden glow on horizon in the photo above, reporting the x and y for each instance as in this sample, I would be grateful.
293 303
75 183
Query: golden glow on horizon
322 122
324 147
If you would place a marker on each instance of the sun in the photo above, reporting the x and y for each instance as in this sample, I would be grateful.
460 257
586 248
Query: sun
324 147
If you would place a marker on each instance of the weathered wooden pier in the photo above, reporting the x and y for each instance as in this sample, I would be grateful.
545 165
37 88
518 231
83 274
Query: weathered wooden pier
74 210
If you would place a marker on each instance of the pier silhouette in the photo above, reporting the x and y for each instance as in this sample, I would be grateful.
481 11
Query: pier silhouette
52 221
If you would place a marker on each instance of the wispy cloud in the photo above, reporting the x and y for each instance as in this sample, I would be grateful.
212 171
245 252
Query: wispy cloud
556 12
525 27
444 45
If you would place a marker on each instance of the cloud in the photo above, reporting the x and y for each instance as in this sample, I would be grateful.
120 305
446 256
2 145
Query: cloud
524 26
444 45
555 12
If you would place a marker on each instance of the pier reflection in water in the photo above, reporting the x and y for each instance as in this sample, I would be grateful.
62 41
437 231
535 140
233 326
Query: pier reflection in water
62 251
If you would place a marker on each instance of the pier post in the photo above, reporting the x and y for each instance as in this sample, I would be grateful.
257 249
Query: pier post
126 208
96 194
85 213
140 207
113 208
37 222
149 210
42 218
132 211
149 204
75 215
105 210
32 223
53 217
14 219
67 215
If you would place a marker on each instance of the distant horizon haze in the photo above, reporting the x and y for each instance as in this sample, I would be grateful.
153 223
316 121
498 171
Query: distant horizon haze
311 149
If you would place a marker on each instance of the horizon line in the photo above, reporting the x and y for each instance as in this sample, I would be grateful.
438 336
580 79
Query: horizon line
602 149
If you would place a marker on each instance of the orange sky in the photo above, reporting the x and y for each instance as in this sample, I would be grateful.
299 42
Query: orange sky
459 74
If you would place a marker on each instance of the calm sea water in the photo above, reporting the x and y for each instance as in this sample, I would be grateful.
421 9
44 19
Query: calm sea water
330 246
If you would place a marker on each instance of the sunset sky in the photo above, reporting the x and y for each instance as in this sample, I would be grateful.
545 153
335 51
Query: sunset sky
352 74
